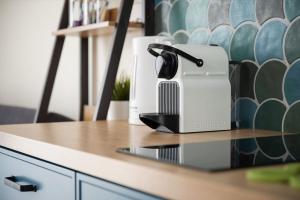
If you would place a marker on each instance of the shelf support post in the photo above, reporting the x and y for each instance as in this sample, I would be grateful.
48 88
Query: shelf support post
42 112
84 75
114 60
149 18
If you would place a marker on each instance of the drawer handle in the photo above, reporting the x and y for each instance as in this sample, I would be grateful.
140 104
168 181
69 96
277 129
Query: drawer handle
13 183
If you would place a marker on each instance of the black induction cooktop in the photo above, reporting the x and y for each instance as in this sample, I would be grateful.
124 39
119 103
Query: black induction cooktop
225 154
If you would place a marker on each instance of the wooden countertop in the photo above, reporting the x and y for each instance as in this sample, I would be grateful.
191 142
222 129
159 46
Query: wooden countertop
90 147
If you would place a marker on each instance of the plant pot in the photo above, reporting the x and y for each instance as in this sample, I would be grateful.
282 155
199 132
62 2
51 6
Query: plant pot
118 110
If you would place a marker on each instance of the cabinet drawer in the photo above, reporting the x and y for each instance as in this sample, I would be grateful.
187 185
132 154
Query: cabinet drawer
52 182
89 188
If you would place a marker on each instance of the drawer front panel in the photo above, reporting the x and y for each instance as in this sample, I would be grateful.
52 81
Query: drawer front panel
89 188
52 182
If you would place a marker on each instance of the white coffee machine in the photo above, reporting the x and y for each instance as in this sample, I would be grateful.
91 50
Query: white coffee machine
193 92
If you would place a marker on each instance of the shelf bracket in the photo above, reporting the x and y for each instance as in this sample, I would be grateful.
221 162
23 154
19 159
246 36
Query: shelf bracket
114 60
149 18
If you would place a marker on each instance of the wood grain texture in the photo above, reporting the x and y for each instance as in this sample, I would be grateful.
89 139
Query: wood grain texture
90 147
103 28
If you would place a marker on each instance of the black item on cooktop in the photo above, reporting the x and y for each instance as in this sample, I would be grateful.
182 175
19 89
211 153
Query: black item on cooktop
225 154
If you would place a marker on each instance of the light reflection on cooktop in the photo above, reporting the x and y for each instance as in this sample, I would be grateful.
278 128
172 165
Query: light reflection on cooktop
225 154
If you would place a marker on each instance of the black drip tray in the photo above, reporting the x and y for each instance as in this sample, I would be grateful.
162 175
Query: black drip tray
161 122
225 154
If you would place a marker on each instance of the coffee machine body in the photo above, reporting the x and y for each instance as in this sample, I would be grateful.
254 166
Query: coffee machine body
195 97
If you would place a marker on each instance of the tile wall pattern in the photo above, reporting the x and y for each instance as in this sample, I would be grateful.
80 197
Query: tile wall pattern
265 36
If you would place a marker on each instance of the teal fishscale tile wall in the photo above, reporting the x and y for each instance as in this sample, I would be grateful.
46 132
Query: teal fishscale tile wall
197 15
269 40
199 36
267 9
292 41
221 37
177 16
241 11
269 81
242 43
265 36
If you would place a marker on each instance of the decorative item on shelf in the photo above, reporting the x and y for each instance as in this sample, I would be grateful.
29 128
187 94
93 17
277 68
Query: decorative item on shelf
87 9
101 7
84 12
110 14
119 105
76 14
138 11
71 13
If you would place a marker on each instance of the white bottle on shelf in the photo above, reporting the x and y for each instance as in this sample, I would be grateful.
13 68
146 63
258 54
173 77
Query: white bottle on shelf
71 19
76 15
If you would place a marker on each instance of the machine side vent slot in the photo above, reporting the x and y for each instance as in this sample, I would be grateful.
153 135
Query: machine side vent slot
168 98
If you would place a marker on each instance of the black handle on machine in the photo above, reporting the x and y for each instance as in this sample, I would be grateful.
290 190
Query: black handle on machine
151 47
13 183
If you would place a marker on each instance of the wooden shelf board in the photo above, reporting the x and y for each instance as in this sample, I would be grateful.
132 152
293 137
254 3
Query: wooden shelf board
102 28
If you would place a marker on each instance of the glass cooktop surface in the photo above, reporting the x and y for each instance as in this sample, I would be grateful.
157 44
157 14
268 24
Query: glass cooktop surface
225 154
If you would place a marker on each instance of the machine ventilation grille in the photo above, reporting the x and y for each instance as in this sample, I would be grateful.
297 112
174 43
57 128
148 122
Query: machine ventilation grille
168 98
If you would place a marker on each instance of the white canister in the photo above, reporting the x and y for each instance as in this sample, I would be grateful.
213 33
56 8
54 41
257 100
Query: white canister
143 78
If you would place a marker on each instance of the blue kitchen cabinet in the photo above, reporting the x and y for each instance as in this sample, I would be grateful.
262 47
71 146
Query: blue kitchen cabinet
89 188
51 182
19 172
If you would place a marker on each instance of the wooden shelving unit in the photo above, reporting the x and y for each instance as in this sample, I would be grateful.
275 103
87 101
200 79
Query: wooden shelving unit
103 28
118 32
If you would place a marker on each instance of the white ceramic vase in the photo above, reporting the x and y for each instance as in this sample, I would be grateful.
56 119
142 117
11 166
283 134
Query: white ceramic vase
118 110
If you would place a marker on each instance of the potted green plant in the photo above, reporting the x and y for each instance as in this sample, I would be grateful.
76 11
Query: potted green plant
119 104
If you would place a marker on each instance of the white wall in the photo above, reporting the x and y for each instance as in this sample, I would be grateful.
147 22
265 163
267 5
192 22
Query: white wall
25 49
101 45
